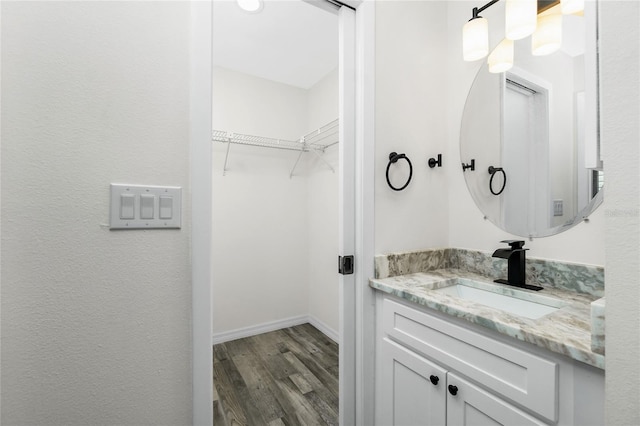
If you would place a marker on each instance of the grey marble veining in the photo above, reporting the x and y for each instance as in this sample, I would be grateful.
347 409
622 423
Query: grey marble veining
585 279
580 278
409 262
566 331
598 326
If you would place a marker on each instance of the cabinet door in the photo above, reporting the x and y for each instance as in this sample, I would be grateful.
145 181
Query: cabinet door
474 406
412 389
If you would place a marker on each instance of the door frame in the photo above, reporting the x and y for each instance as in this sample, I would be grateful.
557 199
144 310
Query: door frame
357 399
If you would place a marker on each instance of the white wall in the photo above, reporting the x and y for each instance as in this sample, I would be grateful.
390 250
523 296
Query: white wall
96 324
583 243
322 207
409 114
260 220
255 106
275 238
620 53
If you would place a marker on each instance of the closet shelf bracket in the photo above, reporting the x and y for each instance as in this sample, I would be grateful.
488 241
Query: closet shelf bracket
314 152
226 158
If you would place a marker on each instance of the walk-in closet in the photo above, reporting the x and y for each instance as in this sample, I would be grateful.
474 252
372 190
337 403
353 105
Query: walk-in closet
275 213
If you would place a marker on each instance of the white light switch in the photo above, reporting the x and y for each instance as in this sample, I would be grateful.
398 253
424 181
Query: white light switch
145 207
127 206
166 207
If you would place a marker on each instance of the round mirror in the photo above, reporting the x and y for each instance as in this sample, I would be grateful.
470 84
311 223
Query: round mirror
531 134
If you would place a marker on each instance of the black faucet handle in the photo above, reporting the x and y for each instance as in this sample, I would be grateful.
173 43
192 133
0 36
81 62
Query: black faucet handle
515 244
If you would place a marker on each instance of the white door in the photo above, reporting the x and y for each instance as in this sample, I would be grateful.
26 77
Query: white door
525 153
347 206
469 405
412 390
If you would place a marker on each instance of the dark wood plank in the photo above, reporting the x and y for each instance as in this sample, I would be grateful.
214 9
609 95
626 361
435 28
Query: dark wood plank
305 413
328 413
324 342
286 377
328 380
218 413
297 334
238 347
266 348
257 380
276 367
334 371
330 395
244 397
229 410
309 345
301 383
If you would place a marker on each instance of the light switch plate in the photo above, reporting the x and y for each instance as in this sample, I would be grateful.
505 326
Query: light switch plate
557 207
143 196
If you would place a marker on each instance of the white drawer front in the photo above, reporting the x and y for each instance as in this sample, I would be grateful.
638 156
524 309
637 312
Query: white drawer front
515 374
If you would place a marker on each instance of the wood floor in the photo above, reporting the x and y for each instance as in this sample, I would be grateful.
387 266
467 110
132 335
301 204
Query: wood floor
285 377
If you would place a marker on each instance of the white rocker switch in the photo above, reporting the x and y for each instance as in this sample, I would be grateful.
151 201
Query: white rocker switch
146 206
166 207
127 206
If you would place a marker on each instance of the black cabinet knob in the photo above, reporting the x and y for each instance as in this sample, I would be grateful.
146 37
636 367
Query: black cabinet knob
453 390
434 379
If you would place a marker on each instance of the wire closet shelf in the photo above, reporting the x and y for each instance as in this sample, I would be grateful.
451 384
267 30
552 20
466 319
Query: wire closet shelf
315 142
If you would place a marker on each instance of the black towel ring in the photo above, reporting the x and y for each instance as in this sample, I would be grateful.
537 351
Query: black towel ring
394 157
492 172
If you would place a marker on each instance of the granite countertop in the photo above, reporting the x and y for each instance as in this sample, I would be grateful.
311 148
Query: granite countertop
566 331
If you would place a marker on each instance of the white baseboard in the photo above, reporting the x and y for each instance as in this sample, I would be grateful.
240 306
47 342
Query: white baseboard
239 333
253 330
324 328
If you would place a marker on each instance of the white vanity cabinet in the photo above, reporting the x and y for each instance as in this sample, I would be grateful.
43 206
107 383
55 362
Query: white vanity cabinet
432 370
416 391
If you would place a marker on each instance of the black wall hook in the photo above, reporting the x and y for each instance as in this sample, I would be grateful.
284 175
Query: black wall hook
433 162
393 158
471 165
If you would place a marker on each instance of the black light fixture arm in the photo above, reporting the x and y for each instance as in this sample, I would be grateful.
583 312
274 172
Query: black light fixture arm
542 6
476 11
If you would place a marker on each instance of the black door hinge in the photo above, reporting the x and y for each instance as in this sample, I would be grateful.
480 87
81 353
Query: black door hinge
345 265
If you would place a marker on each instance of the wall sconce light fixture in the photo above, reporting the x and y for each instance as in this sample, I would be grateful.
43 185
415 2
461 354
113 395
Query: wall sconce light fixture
542 19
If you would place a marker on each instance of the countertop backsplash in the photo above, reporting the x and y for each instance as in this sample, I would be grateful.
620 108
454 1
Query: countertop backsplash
586 279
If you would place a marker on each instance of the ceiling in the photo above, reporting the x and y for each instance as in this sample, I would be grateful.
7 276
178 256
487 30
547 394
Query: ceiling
289 41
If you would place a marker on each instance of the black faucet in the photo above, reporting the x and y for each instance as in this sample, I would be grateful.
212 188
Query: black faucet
515 256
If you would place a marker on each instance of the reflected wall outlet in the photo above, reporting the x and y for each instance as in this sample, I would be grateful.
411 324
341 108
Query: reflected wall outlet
145 207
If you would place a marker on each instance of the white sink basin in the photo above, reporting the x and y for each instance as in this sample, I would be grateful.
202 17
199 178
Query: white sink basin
518 302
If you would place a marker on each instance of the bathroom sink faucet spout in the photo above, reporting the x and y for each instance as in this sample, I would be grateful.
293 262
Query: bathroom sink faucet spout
516 266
